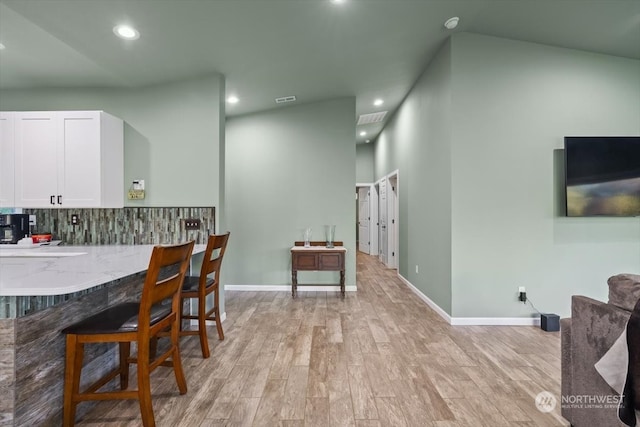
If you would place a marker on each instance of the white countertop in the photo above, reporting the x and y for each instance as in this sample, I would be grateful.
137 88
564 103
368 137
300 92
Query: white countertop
41 272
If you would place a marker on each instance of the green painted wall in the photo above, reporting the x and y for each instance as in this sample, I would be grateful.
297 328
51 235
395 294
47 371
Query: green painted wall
416 142
513 103
481 135
173 134
288 169
364 164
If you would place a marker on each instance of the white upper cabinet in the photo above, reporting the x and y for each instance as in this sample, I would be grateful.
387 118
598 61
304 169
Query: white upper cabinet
68 159
7 193
36 163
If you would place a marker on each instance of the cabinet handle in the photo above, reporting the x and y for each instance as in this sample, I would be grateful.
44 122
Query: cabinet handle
59 199
51 200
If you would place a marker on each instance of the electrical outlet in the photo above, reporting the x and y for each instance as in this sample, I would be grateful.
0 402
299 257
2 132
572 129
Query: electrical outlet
417 269
138 184
74 219
522 294
192 224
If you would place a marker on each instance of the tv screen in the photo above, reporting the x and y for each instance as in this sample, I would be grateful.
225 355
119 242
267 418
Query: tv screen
602 175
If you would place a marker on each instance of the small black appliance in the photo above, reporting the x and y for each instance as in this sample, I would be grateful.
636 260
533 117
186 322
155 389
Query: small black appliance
13 227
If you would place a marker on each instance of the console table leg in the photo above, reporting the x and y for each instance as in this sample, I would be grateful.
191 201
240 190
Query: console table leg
342 282
294 283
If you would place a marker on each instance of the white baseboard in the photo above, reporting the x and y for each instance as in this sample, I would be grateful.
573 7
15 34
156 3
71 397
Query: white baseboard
495 321
426 299
471 321
287 288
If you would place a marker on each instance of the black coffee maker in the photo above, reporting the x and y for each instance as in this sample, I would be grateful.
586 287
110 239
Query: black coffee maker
13 227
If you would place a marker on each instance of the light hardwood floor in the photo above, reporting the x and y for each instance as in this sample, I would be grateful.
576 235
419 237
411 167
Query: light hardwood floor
379 357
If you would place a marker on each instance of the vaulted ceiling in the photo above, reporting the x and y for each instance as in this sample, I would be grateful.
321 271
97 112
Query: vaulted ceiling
313 49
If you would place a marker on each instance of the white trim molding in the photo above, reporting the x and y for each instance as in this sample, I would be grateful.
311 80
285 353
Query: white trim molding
287 288
426 299
471 321
495 321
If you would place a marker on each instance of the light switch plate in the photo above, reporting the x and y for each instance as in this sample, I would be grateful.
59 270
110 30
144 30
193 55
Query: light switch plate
192 224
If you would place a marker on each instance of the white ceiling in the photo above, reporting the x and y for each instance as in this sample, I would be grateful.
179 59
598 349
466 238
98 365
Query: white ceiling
312 49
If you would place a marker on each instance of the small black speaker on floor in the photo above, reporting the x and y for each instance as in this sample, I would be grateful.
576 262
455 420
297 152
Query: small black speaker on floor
549 322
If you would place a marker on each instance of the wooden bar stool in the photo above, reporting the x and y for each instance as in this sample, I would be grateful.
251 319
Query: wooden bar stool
128 323
199 287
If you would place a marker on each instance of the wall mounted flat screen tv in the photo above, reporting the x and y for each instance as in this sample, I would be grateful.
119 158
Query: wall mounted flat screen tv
602 175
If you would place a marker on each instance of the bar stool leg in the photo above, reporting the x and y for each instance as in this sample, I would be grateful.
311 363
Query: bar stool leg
217 314
177 362
144 388
73 370
202 326
125 351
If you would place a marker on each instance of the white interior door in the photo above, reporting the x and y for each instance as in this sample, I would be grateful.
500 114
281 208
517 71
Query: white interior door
382 213
392 197
363 219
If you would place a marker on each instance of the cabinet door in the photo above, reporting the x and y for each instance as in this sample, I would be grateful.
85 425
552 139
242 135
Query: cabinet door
7 160
305 261
79 157
331 261
36 162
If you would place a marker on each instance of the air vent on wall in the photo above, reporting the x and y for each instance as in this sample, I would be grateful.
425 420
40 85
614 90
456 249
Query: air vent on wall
284 99
366 119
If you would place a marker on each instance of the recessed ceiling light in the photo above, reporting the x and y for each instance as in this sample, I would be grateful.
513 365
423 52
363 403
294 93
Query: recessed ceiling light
378 102
363 133
126 32
451 23
338 1
2 46
233 99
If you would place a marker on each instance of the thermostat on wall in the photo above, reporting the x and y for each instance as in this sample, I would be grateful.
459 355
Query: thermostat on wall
136 191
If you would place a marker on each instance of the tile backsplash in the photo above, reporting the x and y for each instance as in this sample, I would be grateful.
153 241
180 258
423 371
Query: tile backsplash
125 226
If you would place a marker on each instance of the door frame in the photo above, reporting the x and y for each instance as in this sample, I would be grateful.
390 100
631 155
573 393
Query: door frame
393 224
373 217
383 207
392 209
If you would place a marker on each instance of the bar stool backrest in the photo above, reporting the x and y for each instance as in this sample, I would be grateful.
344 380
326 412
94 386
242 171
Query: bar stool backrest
167 269
216 247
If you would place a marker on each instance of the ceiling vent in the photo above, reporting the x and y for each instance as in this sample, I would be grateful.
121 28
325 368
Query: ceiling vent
285 99
366 119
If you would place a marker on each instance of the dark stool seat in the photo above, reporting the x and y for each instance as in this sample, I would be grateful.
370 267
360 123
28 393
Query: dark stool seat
198 287
121 318
191 283
157 314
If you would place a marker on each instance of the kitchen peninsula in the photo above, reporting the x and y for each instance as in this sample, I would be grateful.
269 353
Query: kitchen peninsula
41 291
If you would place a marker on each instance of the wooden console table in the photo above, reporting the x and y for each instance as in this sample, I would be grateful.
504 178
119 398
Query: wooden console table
316 258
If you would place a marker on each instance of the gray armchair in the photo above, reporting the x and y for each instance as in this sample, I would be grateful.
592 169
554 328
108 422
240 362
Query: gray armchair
587 400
